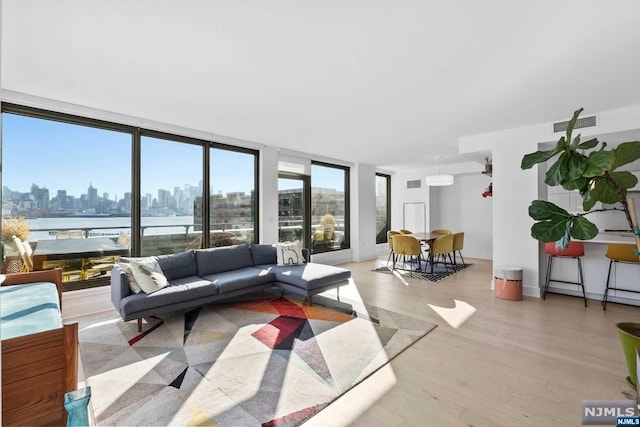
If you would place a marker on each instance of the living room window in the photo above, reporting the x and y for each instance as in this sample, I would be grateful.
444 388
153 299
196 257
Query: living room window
232 201
63 178
170 195
383 207
329 207
151 192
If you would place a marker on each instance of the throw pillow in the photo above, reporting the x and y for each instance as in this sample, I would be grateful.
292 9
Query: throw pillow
133 285
149 275
289 253
125 264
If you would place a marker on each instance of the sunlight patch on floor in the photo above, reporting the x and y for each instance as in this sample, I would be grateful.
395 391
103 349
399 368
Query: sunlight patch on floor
457 315
355 402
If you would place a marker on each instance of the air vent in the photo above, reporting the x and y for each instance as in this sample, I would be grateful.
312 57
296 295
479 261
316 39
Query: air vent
414 184
580 123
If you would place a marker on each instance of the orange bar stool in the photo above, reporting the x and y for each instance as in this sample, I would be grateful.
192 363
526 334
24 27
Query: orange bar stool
575 250
619 252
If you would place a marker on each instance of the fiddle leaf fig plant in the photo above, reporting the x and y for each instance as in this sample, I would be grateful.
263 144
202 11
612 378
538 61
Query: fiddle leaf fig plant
590 168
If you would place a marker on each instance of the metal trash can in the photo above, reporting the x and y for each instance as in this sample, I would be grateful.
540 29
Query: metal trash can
508 282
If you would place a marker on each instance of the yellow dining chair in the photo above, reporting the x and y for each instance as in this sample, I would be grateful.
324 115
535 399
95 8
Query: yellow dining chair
441 231
390 235
406 231
458 244
442 247
619 253
406 245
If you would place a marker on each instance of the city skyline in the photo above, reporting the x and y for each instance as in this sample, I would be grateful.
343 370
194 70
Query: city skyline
70 156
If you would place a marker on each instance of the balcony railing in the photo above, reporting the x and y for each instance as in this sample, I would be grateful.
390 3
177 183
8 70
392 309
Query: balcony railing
173 238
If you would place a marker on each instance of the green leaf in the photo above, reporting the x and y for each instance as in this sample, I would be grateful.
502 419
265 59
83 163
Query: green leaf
538 157
583 229
572 123
588 144
561 145
626 152
543 210
604 191
557 172
588 201
549 231
576 165
598 163
624 179
577 184
575 142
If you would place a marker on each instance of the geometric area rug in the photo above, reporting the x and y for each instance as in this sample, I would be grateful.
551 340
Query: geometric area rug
425 272
262 362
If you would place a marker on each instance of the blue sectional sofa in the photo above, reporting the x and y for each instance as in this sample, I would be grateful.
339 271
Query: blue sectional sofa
202 276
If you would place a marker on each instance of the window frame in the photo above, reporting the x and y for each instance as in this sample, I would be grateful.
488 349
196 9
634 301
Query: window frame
388 193
136 135
347 202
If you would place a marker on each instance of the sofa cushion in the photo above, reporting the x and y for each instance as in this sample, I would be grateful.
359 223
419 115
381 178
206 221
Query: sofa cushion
179 290
227 258
182 264
242 278
309 276
263 254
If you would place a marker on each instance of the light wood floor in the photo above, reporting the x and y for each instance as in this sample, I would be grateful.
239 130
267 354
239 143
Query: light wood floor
529 362
511 363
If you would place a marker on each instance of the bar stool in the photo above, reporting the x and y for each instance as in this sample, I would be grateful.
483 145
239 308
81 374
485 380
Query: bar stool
619 252
575 250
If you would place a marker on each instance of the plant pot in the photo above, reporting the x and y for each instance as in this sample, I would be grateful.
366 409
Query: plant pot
629 333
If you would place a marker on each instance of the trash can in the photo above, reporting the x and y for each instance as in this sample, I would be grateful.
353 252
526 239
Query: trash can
508 282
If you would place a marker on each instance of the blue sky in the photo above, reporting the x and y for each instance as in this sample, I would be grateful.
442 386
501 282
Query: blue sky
70 157
62 156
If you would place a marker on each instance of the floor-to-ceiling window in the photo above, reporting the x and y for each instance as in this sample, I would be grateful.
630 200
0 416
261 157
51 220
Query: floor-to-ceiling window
145 191
63 177
329 207
170 195
232 201
383 207
293 208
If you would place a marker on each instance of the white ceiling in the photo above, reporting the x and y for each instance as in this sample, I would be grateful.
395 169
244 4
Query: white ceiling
379 82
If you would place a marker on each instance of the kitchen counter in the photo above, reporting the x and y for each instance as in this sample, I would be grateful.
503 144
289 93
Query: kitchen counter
612 237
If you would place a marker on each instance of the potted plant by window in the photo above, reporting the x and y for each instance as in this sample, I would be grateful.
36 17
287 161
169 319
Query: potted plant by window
11 227
593 170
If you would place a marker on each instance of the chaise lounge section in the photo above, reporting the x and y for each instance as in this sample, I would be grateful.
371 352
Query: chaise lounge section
203 276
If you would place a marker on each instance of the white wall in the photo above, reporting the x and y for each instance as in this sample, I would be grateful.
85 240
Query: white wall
363 212
461 207
400 194
268 202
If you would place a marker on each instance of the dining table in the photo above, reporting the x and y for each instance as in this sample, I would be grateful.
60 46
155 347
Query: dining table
428 238
84 249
